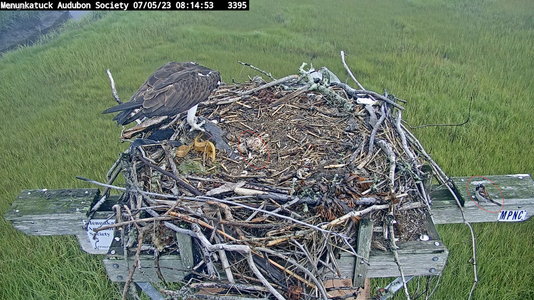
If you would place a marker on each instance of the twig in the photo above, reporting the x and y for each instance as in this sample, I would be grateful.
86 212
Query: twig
272 83
224 262
111 176
134 221
257 69
445 180
400 131
243 249
237 286
200 222
136 263
319 284
354 93
171 175
353 214
386 147
113 89
274 214
395 253
375 130
349 71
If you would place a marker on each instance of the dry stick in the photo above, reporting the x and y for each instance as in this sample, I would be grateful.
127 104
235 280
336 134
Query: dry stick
396 254
124 189
113 89
403 136
224 261
353 214
200 222
319 284
272 83
257 69
243 249
375 129
349 71
372 115
111 176
227 216
277 239
228 201
322 228
136 259
445 180
354 93
171 175
386 147
238 286
167 150
133 222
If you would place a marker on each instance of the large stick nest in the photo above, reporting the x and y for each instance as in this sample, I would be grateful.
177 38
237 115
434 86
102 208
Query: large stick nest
287 168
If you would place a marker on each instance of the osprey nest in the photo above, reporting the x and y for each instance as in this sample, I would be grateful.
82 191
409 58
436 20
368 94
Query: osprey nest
272 192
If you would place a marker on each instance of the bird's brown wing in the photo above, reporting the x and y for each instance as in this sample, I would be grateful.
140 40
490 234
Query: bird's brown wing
180 91
126 109
159 76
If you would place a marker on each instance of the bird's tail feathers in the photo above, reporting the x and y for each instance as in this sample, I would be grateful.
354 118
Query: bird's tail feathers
123 106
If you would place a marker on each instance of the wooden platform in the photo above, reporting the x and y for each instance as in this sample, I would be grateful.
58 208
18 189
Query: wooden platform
517 190
64 211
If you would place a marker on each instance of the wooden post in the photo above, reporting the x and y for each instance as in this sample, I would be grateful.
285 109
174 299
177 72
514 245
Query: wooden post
365 235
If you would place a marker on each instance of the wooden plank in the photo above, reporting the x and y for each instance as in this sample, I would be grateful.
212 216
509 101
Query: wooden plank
170 265
518 192
365 235
418 258
51 212
185 247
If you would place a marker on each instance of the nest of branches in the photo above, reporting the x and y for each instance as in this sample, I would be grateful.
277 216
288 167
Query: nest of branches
274 190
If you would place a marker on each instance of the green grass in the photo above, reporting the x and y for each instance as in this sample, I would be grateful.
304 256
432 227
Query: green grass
435 54
8 18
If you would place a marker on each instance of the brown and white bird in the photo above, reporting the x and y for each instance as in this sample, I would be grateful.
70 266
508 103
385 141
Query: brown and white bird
483 196
170 90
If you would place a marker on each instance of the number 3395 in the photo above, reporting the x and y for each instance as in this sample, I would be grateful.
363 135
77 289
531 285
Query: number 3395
237 5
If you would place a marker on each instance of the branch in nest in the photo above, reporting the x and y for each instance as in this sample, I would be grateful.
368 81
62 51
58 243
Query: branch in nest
388 149
270 84
354 93
318 284
257 69
243 249
353 214
113 89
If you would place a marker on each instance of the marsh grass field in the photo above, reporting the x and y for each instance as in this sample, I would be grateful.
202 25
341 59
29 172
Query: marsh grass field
435 54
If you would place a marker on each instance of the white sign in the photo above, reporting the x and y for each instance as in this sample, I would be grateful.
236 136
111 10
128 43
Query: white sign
512 215
102 240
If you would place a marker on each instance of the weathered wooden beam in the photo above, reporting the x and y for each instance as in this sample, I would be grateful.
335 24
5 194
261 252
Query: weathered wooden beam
51 212
171 268
418 258
55 212
185 246
517 190
365 235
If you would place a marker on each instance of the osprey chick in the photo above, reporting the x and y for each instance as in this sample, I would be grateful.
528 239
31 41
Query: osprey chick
170 90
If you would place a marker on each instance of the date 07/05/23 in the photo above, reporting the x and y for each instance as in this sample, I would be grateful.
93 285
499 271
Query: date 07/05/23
190 5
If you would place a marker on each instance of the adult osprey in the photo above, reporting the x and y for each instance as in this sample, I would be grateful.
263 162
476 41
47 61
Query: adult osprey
170 90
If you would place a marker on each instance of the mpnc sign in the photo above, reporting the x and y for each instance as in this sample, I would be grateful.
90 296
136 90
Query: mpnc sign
512 216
